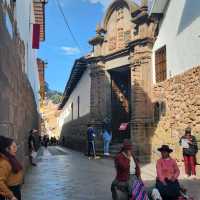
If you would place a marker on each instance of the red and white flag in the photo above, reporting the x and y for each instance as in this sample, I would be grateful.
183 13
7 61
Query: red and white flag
123 127
36 36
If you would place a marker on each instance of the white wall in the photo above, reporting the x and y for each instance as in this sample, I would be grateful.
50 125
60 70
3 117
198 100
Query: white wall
7 2
25 20
180 32
83 91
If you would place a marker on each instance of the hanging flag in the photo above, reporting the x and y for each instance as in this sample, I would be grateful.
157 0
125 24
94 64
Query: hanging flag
123 127
36 36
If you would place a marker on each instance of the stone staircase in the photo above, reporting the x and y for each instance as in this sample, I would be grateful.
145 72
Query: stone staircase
114 149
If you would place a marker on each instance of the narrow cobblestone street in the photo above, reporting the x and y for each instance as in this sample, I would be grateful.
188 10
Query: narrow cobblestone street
63 174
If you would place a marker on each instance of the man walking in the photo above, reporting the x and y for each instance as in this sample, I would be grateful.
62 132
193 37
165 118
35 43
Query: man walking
91 145
32 146
190 149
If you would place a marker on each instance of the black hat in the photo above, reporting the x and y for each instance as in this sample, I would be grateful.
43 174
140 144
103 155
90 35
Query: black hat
165 148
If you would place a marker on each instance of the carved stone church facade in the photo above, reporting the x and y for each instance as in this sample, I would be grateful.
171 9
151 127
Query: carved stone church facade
139 81
121 73
120 69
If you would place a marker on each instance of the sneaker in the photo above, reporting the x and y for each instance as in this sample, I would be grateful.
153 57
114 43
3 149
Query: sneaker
96 157
89 158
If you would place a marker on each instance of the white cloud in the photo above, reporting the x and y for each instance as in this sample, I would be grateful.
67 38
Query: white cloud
70 50
104 3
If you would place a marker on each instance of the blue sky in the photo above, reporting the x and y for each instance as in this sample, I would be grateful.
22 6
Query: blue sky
59 49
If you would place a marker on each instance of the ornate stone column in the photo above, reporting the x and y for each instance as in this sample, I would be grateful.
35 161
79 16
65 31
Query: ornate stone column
100 96
141 115
141 84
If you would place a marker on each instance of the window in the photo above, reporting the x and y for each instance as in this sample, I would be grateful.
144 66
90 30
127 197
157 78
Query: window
163 108
159 111
156 112
161 64
72 111
78 106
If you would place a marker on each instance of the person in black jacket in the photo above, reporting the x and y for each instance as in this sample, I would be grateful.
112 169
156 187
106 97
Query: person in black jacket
32 146
90 139
190 149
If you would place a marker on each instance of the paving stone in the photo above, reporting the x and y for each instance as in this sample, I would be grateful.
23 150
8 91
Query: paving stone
68 175
71 176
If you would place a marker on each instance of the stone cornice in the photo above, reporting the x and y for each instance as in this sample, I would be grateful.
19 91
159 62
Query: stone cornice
122 52
98 39
140 15
145 40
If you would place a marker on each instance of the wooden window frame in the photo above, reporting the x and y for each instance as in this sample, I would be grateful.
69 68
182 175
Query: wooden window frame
161 64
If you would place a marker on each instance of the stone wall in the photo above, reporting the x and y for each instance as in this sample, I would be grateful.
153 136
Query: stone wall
18 110
141 114
75 133
181 96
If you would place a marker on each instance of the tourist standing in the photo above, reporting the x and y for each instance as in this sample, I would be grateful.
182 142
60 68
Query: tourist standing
11 173
167 175
32 146
190 149
91 141
63 140
107 137
46 140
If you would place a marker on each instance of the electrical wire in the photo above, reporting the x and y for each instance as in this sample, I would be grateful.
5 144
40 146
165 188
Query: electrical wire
67 24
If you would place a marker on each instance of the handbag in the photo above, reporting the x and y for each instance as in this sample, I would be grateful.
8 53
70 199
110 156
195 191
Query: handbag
138 191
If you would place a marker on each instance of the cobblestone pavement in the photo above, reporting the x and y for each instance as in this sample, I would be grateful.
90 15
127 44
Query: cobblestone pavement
63 174
67 175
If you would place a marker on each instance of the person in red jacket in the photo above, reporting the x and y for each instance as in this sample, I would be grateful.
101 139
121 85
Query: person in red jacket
190 149
127 171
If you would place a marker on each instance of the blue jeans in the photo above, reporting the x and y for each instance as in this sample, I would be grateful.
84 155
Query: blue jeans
106 146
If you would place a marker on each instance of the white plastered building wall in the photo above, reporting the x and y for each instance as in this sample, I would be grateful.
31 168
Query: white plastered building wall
82 90
25 19
24 15
180 32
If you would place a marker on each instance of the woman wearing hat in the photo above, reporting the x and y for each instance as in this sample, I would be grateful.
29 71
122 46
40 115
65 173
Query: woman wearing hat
127 171
167 175
10 170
